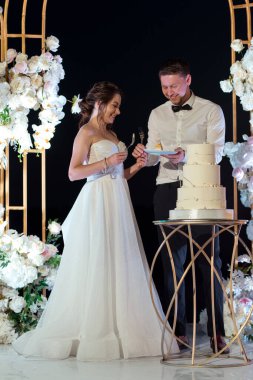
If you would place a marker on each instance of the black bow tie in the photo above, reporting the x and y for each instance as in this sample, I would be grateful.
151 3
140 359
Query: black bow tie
178 108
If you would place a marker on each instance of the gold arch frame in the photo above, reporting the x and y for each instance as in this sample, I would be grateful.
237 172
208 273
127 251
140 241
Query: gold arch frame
5 36
234 8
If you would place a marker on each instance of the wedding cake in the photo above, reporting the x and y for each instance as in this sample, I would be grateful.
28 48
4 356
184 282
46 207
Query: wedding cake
201 195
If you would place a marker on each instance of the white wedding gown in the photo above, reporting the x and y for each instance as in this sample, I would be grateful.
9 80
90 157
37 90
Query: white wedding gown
100 307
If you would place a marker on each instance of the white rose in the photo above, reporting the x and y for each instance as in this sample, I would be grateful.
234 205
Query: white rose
52 43
54 228
225 85
237 45
17 304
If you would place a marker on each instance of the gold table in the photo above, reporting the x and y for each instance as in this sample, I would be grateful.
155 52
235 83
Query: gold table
195 357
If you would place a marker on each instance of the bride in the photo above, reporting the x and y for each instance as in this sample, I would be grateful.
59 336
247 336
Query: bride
100 307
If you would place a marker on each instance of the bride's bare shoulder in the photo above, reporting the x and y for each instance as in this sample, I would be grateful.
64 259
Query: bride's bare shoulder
86 132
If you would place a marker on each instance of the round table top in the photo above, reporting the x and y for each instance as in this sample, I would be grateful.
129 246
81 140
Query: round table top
224 222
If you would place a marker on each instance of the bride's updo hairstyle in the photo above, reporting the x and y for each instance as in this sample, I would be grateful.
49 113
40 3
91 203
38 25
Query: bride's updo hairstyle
101 92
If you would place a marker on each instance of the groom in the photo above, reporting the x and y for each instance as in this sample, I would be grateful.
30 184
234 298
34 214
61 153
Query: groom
184 119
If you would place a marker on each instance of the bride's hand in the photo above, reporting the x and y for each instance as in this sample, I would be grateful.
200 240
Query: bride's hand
142 161
116 159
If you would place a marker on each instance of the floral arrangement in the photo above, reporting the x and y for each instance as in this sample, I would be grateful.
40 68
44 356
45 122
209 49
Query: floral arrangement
241 159
28 268
241 76
241 154
242 288
30 84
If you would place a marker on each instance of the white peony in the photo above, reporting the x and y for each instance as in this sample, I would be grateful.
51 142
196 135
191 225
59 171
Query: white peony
17 273
237 45
52 43
54 228
11 55
225 85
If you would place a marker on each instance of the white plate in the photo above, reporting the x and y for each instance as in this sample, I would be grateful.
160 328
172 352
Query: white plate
159 152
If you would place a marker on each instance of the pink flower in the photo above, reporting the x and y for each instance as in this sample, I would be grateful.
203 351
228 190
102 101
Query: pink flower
245 301
238 174
49 252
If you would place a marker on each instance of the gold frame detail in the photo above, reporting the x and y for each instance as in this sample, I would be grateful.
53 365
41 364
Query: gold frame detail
5 36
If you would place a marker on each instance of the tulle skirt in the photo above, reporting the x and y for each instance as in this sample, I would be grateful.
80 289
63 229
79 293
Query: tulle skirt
100 307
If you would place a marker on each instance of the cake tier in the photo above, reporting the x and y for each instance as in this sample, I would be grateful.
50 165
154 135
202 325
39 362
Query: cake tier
201 175
201 198
200 154
201 214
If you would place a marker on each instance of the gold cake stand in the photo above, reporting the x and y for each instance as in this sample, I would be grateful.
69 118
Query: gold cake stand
195 355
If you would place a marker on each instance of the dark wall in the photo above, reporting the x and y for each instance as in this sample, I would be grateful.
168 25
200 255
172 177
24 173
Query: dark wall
125 42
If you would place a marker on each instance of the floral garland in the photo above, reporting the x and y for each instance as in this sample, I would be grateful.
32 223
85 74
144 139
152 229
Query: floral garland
28 268
241 154
30 84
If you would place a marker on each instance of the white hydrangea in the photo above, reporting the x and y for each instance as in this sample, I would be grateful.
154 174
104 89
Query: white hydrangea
17 273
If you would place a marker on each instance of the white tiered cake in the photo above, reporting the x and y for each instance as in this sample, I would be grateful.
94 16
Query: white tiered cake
201 196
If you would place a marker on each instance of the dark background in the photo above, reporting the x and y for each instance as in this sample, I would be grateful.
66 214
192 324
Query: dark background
125 42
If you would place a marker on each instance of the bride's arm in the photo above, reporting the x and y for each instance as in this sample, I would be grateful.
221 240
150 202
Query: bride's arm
132 170
81 148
